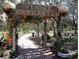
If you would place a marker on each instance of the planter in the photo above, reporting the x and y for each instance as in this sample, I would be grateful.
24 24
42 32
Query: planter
18 57
64 55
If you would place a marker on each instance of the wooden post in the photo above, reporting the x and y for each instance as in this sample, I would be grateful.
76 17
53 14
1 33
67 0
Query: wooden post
59 36
38 29
45 33
14 38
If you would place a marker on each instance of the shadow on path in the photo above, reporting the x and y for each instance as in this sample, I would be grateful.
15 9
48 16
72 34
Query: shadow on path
39 53
28 52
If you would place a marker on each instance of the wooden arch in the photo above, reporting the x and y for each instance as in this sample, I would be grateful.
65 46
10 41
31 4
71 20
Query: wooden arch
25 10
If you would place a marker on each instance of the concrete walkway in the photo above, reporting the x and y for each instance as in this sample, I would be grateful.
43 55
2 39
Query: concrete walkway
28 50
39 53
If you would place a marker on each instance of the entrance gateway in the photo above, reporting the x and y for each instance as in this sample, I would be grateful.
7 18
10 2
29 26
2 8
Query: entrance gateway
24 10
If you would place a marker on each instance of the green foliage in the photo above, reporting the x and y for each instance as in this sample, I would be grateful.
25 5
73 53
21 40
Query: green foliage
63 50
24 27
1 8
13 53
73 39
74 56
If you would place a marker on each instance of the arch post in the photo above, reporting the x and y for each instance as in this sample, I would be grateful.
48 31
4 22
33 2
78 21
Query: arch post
14 38
45 33
14 33
59 35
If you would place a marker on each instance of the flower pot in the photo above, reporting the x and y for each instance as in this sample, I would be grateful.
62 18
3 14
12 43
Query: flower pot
64 55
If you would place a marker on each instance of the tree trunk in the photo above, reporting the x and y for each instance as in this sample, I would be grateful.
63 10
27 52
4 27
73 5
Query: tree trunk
75 30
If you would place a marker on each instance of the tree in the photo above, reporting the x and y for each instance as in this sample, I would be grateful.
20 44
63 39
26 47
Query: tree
74 12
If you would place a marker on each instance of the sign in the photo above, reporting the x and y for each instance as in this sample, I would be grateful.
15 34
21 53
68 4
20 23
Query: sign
36 10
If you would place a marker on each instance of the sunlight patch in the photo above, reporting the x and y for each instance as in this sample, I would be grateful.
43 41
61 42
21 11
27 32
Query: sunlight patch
24 42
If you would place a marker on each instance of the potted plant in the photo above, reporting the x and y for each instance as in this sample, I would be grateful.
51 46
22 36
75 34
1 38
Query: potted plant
64 53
